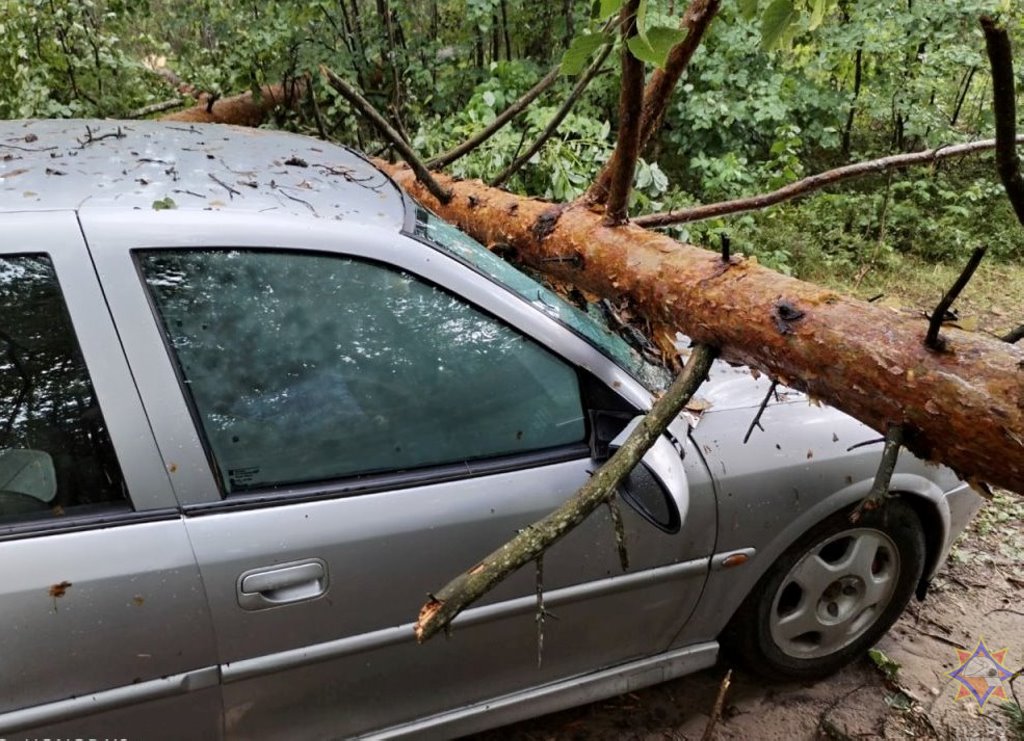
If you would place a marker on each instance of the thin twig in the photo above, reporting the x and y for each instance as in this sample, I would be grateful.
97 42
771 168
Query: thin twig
445 159
756 422
880 488
620 532
366 109
1004 109
556 120
231 191
813 183
716 709
932 340
540 610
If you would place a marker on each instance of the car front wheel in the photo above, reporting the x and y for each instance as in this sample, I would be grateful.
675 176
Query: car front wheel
831 595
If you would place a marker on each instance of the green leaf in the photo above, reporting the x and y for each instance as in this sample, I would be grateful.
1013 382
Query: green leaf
748 9
579 52
655 45
818 10
164 204
662 39
608 7
777 19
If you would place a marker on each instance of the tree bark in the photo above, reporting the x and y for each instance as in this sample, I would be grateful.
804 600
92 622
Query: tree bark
963 407
696 19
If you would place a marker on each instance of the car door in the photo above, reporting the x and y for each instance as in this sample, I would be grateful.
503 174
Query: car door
364 418
104 628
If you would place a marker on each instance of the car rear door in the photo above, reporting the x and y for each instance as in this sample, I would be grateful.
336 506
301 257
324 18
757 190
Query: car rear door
104 627
353 433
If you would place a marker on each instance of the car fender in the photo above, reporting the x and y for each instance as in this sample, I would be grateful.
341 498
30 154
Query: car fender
725 592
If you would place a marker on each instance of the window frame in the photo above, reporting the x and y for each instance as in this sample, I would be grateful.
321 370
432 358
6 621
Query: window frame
149 496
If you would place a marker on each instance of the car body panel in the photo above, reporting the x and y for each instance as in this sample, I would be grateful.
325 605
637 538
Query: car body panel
105 603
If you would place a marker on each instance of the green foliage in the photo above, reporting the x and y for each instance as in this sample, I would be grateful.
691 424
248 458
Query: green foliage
780 89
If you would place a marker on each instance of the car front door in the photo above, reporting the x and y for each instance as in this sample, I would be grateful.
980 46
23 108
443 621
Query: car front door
352 434
104 626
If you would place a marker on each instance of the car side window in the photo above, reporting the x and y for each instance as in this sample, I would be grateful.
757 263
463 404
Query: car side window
56 457
307 367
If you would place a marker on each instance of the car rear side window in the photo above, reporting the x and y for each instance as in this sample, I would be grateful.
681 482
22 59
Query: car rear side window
56 457
307 367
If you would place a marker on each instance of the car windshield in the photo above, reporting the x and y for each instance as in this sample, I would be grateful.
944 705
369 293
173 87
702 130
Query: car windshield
591 324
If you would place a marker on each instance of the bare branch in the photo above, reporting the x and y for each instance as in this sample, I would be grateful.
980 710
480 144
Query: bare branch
149 110
532 541
627 145
445 159
1004 106
880 487
556 120
695 22
814 183
935 322
716 710
366 109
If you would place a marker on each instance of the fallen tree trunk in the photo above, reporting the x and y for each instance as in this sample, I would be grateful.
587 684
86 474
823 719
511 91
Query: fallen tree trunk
963 406
245 109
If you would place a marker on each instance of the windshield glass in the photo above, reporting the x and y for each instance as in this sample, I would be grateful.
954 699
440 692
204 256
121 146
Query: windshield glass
591 324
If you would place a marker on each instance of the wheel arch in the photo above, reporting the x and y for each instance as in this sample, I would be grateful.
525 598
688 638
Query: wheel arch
722 597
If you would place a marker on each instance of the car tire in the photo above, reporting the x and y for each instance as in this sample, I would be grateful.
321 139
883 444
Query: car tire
831 595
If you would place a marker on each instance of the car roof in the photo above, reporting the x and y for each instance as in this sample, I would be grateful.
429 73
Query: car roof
91 164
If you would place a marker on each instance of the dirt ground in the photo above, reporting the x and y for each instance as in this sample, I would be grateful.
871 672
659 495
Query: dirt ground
978 595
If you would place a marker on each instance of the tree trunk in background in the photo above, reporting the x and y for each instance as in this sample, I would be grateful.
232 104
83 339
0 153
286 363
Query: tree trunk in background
964 406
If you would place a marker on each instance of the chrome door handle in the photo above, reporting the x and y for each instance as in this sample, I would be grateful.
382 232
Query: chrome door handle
282 584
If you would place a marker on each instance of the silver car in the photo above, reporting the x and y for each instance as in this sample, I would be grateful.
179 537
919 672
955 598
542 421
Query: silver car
255 404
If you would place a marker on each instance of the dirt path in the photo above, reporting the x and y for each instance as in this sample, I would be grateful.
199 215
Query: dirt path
979 595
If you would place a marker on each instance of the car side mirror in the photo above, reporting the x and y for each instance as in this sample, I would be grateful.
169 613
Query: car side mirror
656 488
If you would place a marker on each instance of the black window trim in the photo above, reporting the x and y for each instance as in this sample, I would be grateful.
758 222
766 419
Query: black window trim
367 483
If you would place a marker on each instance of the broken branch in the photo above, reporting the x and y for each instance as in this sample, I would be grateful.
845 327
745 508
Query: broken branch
445 159
716 709
532 541
812 183
615 195
932 340
695 22
364 107
880 487
1004 107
